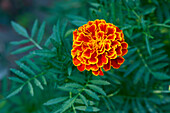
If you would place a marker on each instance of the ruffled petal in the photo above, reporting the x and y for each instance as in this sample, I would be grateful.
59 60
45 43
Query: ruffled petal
124 52
81 67
119 50
120 60
76 62
107 66
114 64
124 45
87 53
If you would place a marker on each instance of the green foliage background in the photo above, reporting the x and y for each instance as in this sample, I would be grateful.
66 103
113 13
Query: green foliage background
47 81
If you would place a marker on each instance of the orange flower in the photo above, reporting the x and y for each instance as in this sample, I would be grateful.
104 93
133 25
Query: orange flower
98 44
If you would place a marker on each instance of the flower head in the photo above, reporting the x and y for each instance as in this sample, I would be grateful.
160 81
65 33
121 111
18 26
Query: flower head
98 45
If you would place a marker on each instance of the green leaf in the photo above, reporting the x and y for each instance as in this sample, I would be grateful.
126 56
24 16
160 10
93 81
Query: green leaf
80 101
16 79
15 92
97 89
148 45
146 77
48 41
63 29
96 5
41 32
30 89
69 70
159 66
160 76
149 10
132 68
34 28
38 83
44 53
68 104
55 101
160 58
19 29
87 108
57 31
19 73
91 94
20 42
73 85
33 65
140 107
75 17
78 22
44 80
138 75
69 32
24 67
150 108
69 89
24 49
99 82
83 98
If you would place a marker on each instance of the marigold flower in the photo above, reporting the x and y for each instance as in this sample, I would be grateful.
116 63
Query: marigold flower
98 44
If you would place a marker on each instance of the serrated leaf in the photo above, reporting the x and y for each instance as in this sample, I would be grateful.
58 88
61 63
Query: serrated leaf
34 28
24 67
38 83
80 101
138 75
15 92
19 73
87 108
20 42
16 79
158 59
57 32
149 10
91 94
148 45
83 98
41 32
48 41
44 53
69 89
73 85
69 32
24 49
30 89
96 89
55 101
69 70
78 22
63 29
33 65
149 107
44 80
159 66
160 76
99 82
75 17
132 68
96 5
140 107
68 104
146 77
19 29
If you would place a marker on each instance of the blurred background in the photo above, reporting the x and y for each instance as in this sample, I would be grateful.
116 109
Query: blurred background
25 12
